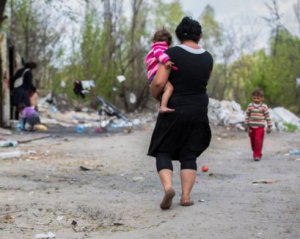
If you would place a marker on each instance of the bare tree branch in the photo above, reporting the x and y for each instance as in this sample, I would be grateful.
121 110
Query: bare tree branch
274 22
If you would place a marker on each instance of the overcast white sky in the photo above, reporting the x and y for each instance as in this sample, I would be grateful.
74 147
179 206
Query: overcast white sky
247 14
227 9
242 15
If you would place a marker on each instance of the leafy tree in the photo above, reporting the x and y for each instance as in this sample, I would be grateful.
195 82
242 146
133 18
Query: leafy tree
33 33
212 30
212 41
286 67
276 73
167 15
136 43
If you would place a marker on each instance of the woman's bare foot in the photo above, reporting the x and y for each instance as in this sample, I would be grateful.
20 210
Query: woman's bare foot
167 200
186 203
164 109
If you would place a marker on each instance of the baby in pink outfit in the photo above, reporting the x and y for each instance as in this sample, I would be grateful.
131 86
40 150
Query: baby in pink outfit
161 41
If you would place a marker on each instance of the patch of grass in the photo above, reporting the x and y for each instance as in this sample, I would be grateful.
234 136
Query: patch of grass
290 127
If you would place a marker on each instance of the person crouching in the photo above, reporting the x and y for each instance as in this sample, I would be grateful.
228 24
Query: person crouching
28 116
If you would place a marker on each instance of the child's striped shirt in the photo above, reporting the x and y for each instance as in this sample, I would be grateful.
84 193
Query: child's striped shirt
155 56
257 115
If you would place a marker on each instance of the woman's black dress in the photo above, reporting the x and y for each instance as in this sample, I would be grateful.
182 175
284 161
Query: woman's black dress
187 128
20 95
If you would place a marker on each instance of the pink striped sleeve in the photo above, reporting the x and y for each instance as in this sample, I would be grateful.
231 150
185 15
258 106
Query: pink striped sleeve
160 55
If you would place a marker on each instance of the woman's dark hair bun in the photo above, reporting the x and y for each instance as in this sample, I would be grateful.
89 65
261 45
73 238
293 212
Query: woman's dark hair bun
188 29
185 20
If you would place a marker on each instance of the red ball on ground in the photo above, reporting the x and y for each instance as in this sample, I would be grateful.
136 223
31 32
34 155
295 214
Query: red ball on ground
204 168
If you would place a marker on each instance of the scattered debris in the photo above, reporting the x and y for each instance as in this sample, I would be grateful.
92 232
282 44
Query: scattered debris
74 226
294 152
98 130
12 154
80 129
265 181
121 78
118 224
137 179
5 131
8 218
8 143
33 138
102 116
60 218
48 235
30 154
16 139
82 168
222 176
74 223
40 128
230 113
284 118
225 112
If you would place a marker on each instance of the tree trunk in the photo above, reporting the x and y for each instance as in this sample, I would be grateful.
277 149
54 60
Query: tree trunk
2 8
108 34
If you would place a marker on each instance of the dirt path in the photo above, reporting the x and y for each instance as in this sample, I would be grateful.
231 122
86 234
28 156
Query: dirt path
119 197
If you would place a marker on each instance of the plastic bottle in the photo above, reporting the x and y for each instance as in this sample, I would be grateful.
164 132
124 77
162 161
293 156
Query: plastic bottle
53 109
80 129
294 152
19 126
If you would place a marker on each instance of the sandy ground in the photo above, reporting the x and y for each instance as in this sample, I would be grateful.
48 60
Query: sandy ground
119 197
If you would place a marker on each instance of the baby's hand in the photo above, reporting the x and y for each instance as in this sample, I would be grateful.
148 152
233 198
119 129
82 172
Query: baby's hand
169 64
269 130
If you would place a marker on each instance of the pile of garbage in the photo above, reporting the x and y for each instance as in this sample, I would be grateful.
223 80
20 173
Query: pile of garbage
105 118
230 113
284 119
225 112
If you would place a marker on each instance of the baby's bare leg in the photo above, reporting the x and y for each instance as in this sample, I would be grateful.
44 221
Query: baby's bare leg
165 98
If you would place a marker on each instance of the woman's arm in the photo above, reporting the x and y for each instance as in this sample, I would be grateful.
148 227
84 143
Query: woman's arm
159 81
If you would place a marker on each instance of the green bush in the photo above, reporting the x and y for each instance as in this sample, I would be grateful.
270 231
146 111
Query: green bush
290 127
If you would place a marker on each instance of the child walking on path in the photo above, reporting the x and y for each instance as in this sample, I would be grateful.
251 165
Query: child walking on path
257 116
161 41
